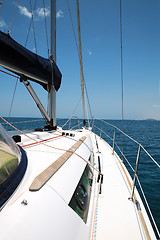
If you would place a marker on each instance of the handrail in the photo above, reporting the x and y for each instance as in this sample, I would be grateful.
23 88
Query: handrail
150 156
132 140
137 163
135 172
69 121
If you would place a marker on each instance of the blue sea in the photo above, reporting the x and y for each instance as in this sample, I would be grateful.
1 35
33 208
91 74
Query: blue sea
146 132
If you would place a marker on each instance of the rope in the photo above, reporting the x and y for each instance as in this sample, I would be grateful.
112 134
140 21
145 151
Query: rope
13 17
9 74
33 28
41 142
121 69
46 27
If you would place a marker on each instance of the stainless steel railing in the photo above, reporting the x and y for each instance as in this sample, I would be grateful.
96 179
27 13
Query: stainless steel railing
99 130
140 148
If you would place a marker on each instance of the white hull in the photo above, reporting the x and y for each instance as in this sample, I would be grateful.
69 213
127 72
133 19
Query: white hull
46 213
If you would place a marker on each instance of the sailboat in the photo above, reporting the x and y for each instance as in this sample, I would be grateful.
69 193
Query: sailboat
63 184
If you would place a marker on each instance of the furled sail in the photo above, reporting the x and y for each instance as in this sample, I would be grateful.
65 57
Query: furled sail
21 61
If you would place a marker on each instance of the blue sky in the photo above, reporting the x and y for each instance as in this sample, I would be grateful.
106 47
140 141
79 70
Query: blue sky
100 31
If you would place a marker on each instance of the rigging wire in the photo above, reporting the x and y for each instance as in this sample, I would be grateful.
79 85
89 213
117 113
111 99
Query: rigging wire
78 54
31 22
80 58
121 68
12 99
13 17
25 46
87 113
46 27
46 40
30 25
72 113
73 27
85 87
32 12
88 100
17 77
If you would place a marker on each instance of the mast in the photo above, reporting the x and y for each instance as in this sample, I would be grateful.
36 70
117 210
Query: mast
52 91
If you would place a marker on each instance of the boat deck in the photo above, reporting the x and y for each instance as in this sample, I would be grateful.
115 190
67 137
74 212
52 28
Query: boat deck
53 174
117 217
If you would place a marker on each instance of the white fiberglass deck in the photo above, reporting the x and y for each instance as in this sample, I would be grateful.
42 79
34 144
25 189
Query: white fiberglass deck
117 217
46 214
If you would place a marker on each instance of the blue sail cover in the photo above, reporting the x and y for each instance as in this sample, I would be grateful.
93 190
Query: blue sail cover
23 62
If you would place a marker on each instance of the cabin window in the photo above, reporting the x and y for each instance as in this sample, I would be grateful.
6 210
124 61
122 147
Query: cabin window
81 197
13 163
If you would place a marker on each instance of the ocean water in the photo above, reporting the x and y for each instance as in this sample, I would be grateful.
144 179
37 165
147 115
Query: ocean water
146 132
